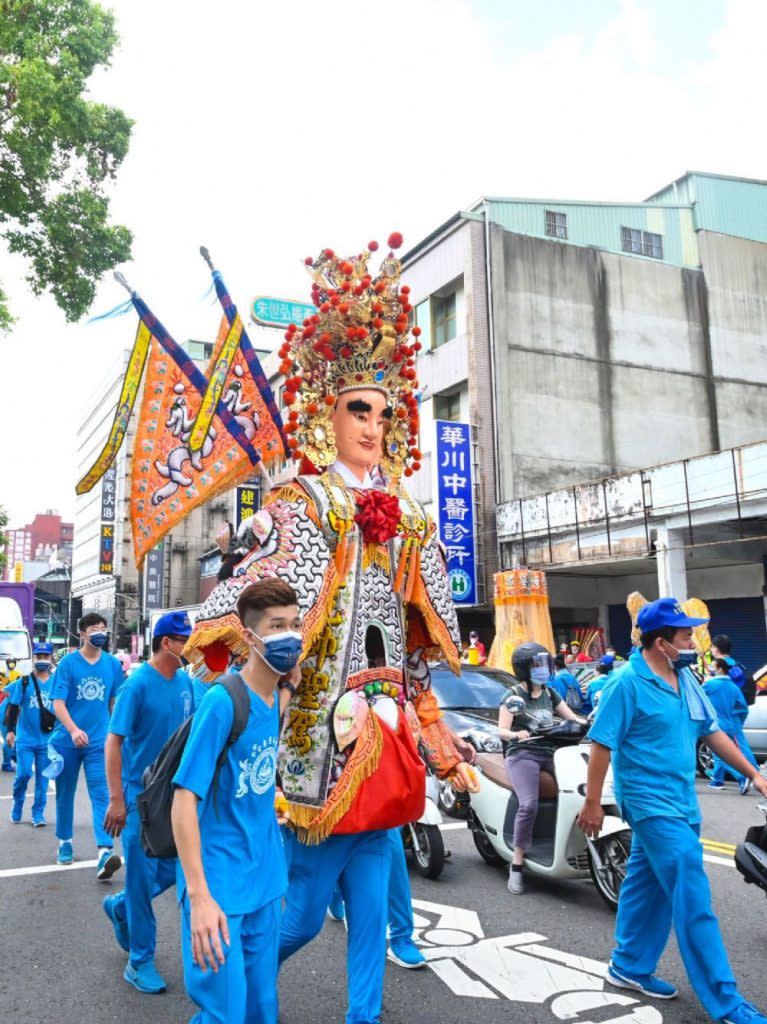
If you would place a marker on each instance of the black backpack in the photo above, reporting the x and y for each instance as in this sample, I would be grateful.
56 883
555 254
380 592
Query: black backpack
154 803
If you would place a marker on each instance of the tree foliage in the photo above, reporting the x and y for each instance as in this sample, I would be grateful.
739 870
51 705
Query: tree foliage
58 149
3 537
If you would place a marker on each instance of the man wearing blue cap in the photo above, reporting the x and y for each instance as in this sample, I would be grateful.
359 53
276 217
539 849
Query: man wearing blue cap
84 689
153 703
26 697
649 721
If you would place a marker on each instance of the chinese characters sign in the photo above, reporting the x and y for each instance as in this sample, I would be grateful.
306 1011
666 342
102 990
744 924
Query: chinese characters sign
279 312
108 495
107 550
154 573
456 508
248 502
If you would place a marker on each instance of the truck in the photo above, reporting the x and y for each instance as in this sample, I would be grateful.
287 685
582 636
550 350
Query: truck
15 643
24 596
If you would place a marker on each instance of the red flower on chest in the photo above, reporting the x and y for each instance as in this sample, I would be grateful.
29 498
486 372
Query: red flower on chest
378 515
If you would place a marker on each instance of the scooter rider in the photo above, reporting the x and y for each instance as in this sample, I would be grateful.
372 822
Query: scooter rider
530 705
650 717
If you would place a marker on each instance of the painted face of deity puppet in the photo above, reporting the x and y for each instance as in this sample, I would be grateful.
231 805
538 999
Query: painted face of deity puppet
360 421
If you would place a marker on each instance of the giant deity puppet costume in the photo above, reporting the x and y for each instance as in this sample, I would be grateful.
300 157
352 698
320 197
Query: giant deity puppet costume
365 560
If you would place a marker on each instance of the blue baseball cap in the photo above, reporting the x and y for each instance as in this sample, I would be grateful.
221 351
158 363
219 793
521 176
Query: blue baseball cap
173 624
665 612
607 659
42 648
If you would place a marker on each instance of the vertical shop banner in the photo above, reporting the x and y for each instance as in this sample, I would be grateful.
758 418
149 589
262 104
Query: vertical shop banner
108 495
107 550
248 501
455 493
154 574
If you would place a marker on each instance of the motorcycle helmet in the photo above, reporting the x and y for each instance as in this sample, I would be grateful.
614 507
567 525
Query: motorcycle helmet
529 656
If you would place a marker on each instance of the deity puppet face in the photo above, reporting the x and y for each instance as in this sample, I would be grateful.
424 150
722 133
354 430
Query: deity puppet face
360 421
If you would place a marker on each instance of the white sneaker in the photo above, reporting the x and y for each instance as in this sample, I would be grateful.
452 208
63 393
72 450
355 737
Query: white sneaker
516 884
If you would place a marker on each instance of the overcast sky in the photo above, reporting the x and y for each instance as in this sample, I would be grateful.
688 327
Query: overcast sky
266 131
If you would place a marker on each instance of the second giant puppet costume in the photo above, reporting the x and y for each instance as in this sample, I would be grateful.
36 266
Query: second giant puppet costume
365 560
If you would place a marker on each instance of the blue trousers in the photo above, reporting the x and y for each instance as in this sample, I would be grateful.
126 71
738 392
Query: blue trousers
92 760
401 922
26 759
9 755
360 863
244 989
720 768
145 878
666 883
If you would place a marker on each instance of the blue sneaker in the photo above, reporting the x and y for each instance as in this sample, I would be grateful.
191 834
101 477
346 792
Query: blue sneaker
647 984
39 822
744 1014
145 977
744 786
336 910
66 853
16 814
715 785
406 954
109 862
120 925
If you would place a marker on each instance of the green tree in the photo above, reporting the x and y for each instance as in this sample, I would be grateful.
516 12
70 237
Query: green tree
58 149
3 538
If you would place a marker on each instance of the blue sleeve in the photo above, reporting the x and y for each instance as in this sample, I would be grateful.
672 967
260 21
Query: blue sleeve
614 713
14 693
60 688
740 708
211 725
126 710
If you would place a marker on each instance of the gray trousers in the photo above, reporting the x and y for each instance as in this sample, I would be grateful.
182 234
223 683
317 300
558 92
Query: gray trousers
524 769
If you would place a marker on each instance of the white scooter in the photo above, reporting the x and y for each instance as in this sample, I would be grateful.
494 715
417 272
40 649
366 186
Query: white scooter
423 838
560 850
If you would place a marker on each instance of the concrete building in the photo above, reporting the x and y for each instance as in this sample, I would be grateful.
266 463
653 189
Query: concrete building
35 545
586 340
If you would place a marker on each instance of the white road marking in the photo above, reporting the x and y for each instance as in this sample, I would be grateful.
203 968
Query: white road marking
452 825
43 869
727 861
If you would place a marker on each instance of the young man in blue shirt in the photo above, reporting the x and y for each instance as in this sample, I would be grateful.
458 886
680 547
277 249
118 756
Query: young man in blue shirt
153 703
232 867
649 720
27 738
84 689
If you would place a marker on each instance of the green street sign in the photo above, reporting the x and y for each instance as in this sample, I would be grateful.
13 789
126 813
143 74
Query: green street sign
270 312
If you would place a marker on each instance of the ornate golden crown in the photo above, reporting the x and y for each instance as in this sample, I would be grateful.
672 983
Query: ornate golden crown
358 338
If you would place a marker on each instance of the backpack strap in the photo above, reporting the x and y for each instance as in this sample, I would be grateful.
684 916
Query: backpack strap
238 693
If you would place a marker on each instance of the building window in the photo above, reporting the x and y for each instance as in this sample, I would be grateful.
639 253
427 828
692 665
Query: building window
200 351
448 407
443 318
556 224
642 243
421 317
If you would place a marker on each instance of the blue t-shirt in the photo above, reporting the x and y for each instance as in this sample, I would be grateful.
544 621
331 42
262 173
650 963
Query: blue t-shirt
653 738
86 690
242 853
28 732
728 702
148 711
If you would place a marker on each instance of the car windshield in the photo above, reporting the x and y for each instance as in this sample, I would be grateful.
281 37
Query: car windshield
14 643
470 689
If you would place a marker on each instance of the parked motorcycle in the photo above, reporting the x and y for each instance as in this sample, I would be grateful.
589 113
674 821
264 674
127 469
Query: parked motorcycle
423 838
559 850
751 854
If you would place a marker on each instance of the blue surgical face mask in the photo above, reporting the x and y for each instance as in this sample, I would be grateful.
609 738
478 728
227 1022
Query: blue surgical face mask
539 676
98 639
682 659
42 666
281 651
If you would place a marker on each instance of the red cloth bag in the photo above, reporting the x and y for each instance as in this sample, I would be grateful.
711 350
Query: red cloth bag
395 793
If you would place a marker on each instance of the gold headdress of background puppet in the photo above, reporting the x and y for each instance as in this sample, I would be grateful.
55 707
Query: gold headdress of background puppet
358 338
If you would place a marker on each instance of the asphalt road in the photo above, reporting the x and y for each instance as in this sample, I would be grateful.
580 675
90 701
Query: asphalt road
496 958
